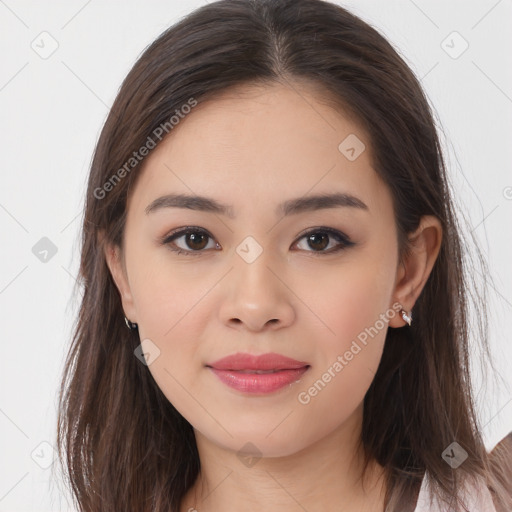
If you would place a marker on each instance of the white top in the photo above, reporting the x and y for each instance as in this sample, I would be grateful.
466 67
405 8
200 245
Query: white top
478 498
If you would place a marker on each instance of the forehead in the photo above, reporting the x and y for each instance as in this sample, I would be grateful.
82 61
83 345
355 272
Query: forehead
257 145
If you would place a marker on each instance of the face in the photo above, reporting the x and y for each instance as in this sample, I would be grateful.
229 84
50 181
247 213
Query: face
313 284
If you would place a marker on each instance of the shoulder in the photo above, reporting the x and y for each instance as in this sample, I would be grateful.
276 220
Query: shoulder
502 455
475 496
500 461
478 496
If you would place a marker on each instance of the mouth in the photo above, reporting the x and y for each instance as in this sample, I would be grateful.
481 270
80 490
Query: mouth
260 374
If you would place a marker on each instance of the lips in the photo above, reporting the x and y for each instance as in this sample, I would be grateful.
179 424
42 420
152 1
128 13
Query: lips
255 383
258 375
265 363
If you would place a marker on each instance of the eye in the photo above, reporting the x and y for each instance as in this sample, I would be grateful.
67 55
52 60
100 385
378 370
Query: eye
320 238
196 240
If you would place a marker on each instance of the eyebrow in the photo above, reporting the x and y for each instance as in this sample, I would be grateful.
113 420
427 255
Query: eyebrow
289 207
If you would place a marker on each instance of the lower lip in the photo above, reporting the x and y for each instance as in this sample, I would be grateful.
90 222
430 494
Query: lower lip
259 382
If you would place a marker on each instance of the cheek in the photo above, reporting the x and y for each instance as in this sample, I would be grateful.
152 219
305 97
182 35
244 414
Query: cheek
171 321
346 363
167 294
358 307
172 309
355 313
349 300
172 316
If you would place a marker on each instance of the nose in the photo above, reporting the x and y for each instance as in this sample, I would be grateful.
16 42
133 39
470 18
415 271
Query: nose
256 297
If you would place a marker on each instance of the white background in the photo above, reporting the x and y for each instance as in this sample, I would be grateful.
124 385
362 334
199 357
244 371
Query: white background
52 111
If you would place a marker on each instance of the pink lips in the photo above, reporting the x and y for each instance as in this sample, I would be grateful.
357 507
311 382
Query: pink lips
242 371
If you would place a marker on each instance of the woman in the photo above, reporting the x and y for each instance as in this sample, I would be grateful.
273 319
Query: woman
268 213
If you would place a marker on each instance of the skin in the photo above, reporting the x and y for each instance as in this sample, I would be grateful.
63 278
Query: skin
252 149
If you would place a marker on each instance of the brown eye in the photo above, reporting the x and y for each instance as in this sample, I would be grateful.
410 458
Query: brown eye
320 238
318 241
195 240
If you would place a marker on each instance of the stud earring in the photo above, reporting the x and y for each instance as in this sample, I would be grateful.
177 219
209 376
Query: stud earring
129 324
407 318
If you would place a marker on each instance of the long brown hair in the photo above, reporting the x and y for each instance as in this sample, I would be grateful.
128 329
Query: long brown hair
124 445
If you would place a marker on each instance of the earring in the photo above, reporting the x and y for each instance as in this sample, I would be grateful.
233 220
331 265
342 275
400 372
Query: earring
129 324
407 318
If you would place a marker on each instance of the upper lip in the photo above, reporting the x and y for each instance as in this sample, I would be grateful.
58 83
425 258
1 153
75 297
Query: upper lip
245 361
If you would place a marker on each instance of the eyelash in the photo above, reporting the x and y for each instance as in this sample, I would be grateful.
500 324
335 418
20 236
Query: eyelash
340 237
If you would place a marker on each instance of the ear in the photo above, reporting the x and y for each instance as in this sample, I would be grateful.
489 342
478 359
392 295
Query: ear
413 273
115 263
